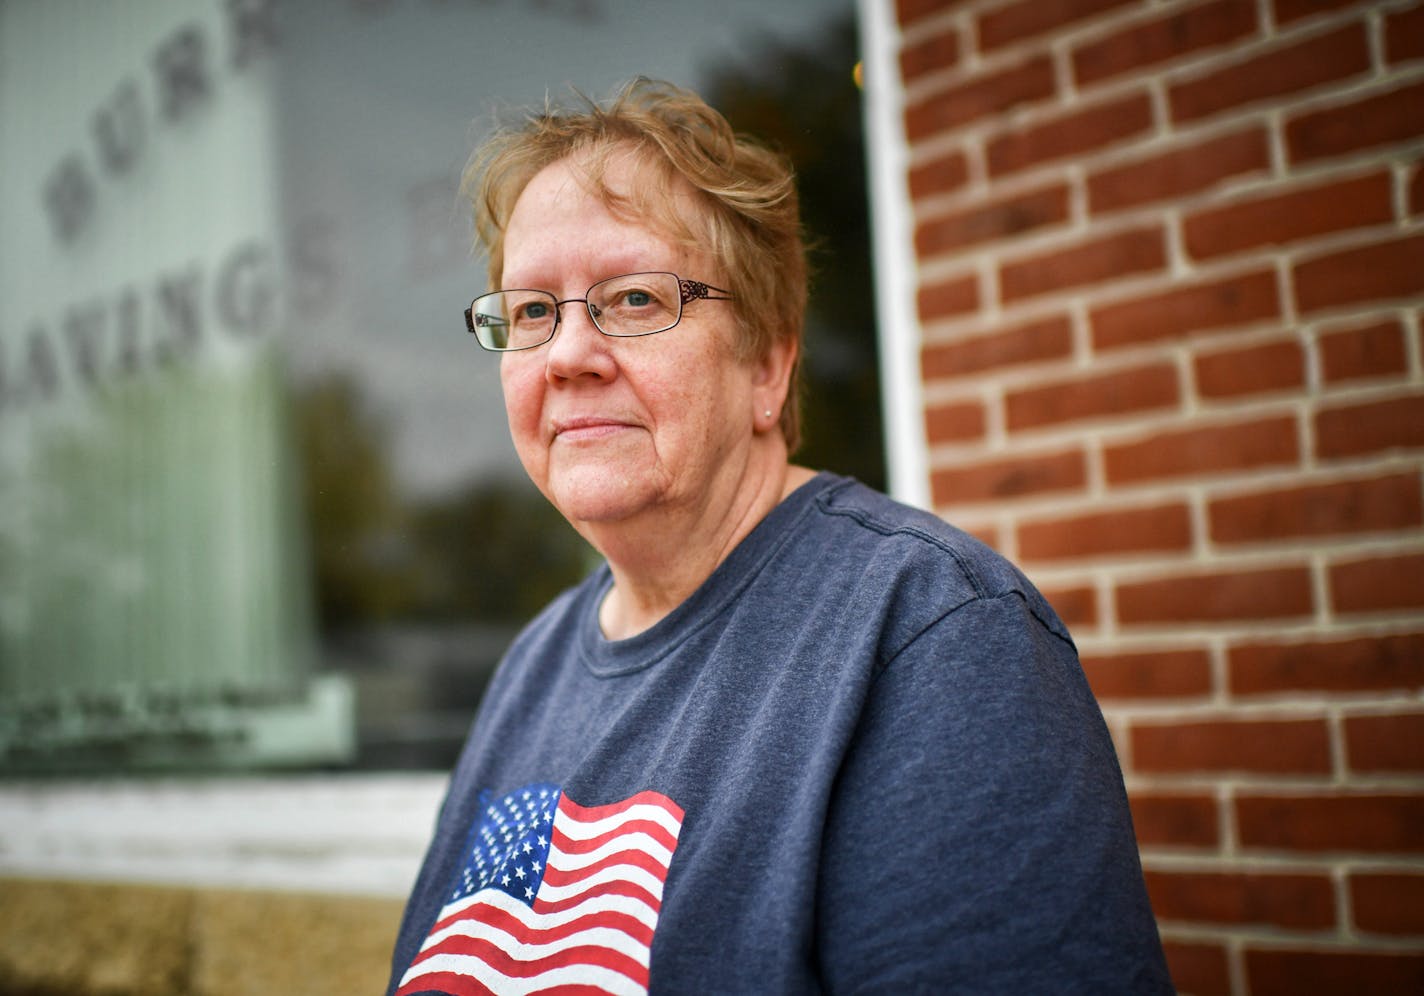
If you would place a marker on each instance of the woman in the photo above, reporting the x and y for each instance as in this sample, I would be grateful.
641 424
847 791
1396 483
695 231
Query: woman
792 736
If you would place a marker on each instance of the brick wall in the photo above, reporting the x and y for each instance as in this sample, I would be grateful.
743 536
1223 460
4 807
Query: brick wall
1171 289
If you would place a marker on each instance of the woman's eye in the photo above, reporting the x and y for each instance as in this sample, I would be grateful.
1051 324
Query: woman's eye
535 310
638 299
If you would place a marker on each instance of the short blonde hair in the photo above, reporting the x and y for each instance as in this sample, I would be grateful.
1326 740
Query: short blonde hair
749 219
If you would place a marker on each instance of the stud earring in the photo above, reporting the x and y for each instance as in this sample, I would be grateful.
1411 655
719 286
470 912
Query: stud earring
767 413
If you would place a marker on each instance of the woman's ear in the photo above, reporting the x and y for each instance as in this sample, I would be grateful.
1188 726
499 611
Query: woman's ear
771 381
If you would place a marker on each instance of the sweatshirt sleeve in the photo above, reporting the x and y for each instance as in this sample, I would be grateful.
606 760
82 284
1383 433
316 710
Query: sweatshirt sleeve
978 838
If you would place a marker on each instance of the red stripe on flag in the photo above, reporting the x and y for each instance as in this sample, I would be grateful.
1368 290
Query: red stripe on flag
589 814
626 889
463 985
543 934
638 859
515 968
446 982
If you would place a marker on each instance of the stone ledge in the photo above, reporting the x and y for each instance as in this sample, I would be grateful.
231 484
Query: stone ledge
107 939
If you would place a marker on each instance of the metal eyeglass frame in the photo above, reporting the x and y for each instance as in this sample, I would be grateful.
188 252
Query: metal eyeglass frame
689 290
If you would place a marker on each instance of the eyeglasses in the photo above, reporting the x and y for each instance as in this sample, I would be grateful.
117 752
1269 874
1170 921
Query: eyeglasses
630 305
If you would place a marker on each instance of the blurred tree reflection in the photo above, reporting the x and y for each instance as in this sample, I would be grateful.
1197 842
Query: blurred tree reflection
360 556
493 551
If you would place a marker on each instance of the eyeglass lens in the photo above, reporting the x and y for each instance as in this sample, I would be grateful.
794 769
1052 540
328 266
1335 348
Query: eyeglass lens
627 305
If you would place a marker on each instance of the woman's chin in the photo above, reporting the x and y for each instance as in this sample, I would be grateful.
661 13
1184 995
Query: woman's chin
600 496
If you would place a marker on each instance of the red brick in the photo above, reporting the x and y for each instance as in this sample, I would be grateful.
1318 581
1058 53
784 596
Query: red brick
1300 901
1138 250
1180 171
1378 584
948 298
1072 134
1077 605
1352 972
1282 218
939 176
1370 427
1223 596
1404 35
940 51
1119 392
1157 675
1385 743
910 11
1185 309
1359 353
1278 747
954 423
1336 55
1375 504
1380 119
1206 450
1232 373
1044 339
981 97
1287 11
1102 534
1199 969
1388 902
1365 664
1363 821
1157 41
1009 477
1164 819
1369 274
996 219
1030 18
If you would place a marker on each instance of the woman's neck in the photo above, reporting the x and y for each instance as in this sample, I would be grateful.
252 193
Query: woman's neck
660 559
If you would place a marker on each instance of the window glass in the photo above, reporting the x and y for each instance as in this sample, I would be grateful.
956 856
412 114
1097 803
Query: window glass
258 505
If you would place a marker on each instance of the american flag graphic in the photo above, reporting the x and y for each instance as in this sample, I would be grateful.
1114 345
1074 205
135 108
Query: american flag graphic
553 896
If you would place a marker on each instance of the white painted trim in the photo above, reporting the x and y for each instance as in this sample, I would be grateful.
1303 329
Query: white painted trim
353 834
892 238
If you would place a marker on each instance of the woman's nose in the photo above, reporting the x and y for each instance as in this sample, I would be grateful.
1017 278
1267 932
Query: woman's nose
578 347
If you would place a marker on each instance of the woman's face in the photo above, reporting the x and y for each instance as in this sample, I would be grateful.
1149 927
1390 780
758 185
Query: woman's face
609 428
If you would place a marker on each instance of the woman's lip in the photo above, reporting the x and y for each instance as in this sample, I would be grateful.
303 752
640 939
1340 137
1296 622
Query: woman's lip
587 428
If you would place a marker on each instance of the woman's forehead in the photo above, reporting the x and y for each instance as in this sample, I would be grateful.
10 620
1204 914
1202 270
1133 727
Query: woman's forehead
566 217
